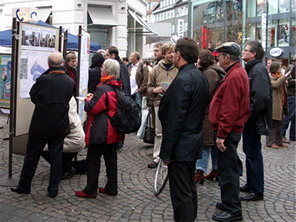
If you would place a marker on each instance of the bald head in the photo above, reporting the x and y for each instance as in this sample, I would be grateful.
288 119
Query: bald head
55 59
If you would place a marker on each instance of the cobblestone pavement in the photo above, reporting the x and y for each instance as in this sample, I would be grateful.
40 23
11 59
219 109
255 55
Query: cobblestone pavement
135 200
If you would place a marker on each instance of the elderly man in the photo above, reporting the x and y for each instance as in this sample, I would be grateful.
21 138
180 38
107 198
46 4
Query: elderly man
259 122
181 112
49 125
229 110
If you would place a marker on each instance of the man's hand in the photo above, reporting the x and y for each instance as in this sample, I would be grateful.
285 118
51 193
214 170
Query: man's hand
220 144
158 90
166 162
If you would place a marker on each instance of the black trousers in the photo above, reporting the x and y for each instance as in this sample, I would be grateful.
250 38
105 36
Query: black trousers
229 167
183 190
34 149
68 162
93 159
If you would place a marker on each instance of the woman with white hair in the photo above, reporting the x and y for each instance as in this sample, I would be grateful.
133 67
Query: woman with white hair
100 137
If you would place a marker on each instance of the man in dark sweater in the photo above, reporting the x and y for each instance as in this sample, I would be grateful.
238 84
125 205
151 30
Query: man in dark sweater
49 125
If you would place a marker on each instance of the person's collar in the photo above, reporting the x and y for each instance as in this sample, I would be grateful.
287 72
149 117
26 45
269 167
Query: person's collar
229 67
136 65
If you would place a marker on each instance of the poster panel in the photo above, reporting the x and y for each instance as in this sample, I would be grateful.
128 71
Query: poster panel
35 45
83 80
5 80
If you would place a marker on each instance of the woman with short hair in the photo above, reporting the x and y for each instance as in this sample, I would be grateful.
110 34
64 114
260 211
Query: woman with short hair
100 137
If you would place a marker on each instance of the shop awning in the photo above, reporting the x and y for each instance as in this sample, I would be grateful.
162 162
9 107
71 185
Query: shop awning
142 23
101 15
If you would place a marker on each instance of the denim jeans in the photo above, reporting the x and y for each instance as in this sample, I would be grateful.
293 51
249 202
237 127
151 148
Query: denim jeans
202 164
138 98
290 118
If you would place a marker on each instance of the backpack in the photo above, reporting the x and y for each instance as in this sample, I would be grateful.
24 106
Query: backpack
128 116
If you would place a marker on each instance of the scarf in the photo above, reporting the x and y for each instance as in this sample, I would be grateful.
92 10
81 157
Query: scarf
105 79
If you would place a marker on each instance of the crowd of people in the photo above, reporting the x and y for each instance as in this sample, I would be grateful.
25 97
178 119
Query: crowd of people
201 102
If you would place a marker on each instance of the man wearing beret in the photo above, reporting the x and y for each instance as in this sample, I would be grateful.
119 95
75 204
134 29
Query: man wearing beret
229 110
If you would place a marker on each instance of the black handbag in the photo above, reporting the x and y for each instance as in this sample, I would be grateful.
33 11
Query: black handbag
149 134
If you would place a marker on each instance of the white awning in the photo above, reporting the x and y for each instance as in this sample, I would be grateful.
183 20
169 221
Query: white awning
102 16
43 13
142 22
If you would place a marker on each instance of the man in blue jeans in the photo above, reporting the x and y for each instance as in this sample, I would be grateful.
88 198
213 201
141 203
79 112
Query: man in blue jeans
259 122
291 92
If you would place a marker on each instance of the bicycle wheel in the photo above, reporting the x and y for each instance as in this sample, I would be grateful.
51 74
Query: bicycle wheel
161 177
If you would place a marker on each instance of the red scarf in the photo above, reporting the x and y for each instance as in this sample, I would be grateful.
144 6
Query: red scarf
105 79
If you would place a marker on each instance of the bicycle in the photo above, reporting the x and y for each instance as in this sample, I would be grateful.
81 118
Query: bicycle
161 177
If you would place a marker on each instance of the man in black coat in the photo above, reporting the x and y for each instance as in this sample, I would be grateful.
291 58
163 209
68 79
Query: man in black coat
112 52
49 125
259 122
181 113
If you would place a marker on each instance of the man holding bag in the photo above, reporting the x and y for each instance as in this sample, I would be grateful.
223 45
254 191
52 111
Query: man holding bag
162 74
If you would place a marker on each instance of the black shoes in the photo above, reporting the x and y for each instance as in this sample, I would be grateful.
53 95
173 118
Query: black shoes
252 197
52 194
244 188
17 189
224 216
152 165
68 174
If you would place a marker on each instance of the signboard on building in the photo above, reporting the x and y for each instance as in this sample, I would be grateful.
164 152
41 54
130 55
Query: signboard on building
180 28
28 14
263 31
276 52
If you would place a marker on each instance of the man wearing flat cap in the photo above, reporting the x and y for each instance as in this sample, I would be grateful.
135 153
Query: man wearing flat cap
229 110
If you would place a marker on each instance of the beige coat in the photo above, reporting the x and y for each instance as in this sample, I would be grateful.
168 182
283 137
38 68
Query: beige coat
278 110
158 75
141 78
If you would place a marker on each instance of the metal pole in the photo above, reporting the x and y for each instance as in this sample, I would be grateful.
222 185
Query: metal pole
65 46
60 38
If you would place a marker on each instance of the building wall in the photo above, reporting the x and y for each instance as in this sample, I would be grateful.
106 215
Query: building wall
70 14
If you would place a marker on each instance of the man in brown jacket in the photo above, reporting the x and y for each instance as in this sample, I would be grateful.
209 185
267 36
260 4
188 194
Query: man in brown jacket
162 74
138 77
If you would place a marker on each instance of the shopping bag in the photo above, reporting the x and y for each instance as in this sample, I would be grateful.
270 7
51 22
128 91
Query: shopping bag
149 134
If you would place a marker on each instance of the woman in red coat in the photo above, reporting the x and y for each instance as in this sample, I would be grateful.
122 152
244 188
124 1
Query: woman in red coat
100 137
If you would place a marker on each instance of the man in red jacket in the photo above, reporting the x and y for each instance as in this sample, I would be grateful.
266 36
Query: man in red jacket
229 110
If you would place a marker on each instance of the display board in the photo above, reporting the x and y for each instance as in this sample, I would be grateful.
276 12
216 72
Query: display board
83 77
35 45
5 80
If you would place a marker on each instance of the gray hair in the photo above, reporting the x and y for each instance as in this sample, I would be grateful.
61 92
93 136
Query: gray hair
112 67
55 59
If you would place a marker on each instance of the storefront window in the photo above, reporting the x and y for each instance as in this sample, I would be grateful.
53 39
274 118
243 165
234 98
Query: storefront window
273 7
293 9
284 5
283 32
261 7
272 34
250 31
234 10
251 8
293 32
258 36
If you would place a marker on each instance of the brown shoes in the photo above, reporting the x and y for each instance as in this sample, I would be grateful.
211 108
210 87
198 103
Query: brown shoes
274 146
212 175
284 145
199 177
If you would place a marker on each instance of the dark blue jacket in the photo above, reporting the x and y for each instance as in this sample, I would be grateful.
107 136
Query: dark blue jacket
51 95
181 112
260 97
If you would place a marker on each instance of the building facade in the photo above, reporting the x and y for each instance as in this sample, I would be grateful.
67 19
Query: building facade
272 22
108 21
